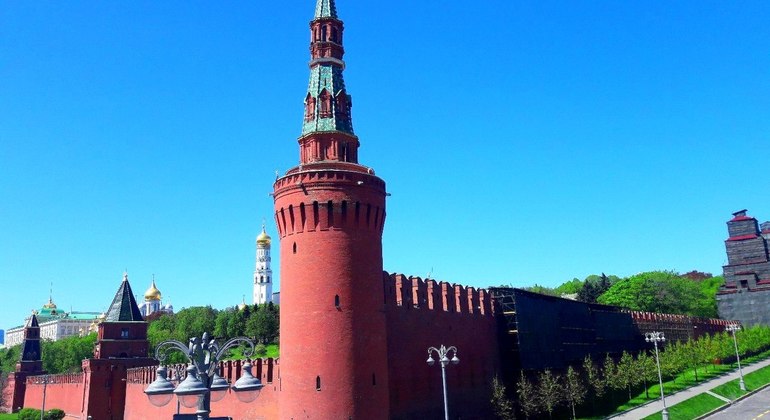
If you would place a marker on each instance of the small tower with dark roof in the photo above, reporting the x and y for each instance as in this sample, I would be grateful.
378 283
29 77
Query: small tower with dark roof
123 334
122 344
30 364
31 355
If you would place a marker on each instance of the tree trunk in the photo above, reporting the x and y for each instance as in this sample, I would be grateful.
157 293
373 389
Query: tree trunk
573 412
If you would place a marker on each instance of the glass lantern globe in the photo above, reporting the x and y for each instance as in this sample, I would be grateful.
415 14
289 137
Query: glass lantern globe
247 387
219 387
191 389
161 390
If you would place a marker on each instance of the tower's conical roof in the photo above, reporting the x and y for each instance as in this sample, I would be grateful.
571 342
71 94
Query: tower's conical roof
325 9
124 307
32 322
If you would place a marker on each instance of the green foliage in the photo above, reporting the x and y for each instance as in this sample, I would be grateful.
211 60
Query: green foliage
259 322
55 414
29 414
263 324
66 355
574 389
528 398
501 404
543 290
568 288
594 286
661 291
550 391
594 377
8 358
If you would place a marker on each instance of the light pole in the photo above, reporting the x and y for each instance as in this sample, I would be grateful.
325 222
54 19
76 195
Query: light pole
733 328
202 384
443 353
654 338
43 380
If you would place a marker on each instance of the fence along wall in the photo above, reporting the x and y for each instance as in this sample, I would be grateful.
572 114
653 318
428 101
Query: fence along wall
138 407
423 313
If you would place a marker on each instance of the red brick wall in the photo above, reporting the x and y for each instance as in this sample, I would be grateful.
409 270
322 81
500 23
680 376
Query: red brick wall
422 314
65 392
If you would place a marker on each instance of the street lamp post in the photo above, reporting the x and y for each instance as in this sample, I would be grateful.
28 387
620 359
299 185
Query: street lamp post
733 328
443 357
655 338
43 380
203 383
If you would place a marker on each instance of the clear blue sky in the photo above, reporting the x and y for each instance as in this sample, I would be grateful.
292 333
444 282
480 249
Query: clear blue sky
522 142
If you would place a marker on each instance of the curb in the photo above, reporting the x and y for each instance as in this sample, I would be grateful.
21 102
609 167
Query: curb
726 406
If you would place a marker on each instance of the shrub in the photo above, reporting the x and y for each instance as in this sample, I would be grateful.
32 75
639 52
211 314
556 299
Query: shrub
29 414
54 414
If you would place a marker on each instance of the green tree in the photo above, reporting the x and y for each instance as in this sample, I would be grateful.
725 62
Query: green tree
574 389
66 355
648 371
594 377
660 291
550 391
263 324
528 399
594 286
194 321
626 373
501 404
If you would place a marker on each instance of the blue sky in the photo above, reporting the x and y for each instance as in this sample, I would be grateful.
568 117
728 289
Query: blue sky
522 142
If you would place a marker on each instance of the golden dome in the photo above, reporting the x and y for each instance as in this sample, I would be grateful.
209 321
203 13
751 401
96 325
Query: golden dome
263 239
152 293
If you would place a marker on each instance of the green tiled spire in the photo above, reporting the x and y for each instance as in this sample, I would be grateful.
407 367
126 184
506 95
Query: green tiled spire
327 104
325 9
328 77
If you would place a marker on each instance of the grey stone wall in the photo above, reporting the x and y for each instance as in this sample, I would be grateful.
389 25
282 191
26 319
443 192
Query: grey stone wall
749 307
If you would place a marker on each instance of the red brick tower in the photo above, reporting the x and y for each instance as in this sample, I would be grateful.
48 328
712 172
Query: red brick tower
330 212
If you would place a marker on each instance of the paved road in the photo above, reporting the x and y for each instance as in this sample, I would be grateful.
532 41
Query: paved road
754 407
688 393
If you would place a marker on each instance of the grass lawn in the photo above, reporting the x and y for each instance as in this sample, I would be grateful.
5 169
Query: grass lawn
684 380
8 417
753 380
690 409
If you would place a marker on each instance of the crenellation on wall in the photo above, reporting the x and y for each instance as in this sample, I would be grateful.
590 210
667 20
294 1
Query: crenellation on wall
436 296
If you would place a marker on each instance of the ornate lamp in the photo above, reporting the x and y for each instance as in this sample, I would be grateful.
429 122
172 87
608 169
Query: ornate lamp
247 387
161 390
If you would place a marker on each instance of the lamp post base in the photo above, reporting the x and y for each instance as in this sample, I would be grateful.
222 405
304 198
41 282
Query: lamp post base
664 414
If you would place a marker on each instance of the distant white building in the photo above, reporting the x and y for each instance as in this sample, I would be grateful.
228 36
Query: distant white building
263 275
55 324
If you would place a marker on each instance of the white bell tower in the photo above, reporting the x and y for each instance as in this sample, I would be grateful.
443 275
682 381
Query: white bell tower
263 275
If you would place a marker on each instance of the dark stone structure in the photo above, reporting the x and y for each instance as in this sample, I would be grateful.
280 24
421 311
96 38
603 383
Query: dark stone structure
745 295
31 364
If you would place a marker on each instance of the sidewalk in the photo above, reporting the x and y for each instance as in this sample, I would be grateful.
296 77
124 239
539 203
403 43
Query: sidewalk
653 407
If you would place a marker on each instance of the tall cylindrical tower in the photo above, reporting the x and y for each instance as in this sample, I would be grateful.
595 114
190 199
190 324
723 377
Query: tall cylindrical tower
330 212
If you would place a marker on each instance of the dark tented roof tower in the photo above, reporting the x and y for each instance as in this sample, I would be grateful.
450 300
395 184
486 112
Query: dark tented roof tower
124 307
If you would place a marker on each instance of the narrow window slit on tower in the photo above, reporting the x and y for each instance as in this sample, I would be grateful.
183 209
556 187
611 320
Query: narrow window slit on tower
344 212
337 301
294 248
330 213
317 383
374 380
